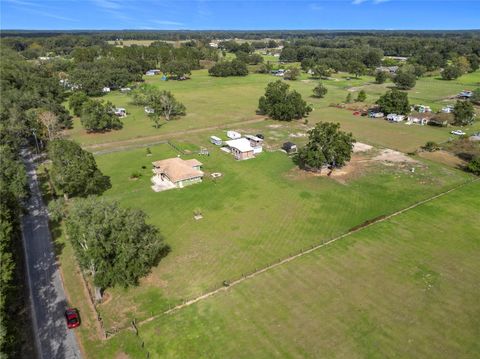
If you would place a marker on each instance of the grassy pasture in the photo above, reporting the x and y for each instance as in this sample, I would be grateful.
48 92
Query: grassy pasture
406 287
221 101
260 211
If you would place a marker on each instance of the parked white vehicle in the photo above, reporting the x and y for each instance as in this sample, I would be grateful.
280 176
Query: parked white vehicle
458 132
149 110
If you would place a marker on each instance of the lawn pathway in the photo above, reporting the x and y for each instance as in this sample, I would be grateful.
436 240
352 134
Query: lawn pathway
115 146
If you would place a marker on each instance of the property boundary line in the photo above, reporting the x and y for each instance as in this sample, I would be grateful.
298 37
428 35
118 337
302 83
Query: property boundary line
302 252
145 141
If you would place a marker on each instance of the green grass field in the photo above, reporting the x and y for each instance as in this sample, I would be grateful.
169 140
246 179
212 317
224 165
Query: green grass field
380 293
406 287
260 211
222 101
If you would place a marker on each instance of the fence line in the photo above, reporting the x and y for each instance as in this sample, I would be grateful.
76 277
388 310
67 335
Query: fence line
325 242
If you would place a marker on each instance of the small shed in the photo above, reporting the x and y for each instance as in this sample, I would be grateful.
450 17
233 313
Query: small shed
152 72
290 147
106 89
216 140
393 117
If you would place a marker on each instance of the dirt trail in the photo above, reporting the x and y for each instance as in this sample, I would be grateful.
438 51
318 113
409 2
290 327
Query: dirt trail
150 140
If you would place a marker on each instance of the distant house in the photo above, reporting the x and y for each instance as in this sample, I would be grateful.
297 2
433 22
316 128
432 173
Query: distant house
375 114
419 118
176 172
389 69
120 112
280 72
106 89
213 44
465 94
233 135
398 58
241 148
447 109
256 143
152 72
392 117
422 108
289 147
216 140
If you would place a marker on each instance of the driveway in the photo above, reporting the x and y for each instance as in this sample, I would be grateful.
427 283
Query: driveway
47 296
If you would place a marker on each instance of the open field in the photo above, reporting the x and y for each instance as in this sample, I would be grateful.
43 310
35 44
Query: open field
264 210
391 290
221 101
260 211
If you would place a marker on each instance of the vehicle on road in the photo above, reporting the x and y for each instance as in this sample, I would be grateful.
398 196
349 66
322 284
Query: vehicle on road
73 318
458 132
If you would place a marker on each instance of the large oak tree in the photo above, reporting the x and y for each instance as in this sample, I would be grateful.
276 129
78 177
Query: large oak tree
327 146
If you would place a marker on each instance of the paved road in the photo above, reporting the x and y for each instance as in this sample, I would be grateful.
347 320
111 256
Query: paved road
52 337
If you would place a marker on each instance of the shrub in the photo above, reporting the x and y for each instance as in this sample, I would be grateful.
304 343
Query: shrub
431 146
362 96
320 91
380 77
474 166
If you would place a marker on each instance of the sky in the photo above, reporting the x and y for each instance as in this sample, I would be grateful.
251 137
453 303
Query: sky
239 15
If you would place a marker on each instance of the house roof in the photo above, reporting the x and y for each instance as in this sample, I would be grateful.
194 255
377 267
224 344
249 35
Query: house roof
177 169
241 144
193 162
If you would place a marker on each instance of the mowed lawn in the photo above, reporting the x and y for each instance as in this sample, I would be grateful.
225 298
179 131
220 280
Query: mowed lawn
404 288
214 101
260 211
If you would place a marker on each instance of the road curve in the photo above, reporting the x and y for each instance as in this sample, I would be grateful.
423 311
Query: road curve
47 297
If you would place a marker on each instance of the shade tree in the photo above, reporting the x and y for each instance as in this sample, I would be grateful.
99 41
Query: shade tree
327 146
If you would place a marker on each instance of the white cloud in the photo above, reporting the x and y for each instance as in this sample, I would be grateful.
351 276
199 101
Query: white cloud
358 2
167 22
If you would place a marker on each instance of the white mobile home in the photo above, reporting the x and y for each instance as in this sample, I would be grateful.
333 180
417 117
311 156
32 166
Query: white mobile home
216 140
233 135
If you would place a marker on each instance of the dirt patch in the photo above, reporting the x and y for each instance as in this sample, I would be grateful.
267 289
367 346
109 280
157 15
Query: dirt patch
361 147
388 155
298 134
364 156
357 166
444 157
274 126
122 355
